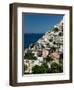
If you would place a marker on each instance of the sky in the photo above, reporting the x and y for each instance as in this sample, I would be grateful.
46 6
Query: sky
36 23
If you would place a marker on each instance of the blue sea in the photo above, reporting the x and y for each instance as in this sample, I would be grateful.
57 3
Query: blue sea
31 38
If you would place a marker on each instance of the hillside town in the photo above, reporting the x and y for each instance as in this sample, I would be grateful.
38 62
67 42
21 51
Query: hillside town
45 55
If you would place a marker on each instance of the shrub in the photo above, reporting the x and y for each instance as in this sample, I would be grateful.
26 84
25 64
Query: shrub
61 61
40 69
48 59
61 65
30 55
45 65
25 67
48 70
56 68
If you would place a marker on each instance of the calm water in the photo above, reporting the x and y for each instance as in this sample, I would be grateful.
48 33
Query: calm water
31 38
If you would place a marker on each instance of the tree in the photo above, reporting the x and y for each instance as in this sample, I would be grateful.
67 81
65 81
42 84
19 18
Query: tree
61 61
40 69
56 68
30 55
45 65
48 70
48 59
61 65
25 67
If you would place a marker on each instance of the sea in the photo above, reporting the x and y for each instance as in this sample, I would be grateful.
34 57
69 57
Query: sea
30 38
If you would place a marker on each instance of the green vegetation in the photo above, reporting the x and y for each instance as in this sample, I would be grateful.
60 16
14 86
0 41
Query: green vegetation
25 67
61 65
30 55
46 54
61 61
61 56
48 70
40 69
48 59
56 68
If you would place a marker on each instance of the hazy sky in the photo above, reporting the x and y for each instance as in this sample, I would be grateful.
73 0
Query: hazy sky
36 23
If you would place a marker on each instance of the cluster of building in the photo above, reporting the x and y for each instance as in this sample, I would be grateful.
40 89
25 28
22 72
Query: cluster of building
51 44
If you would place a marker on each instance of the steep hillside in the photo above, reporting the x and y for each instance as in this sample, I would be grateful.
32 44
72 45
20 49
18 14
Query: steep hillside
46 55
53 38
